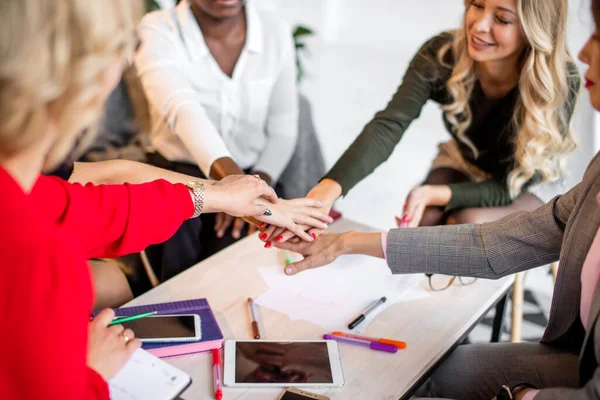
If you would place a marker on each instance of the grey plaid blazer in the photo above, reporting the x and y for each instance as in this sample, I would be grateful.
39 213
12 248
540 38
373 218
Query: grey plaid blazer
563 229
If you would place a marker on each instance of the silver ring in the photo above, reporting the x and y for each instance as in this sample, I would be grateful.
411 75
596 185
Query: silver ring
257 177
267 212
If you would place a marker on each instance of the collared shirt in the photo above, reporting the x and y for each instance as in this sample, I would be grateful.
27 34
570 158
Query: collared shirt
198 113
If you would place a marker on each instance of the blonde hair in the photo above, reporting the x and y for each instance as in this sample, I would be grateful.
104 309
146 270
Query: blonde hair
53 58
544 138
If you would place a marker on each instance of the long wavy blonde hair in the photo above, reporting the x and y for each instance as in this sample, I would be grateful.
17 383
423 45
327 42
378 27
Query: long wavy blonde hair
54 55
544 138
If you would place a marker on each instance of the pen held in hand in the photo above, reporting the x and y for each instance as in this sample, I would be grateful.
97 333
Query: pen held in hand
119 320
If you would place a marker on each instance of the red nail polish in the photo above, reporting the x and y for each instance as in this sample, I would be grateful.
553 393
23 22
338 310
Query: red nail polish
263 236
314 235
404 207
267 245
261 224
279 238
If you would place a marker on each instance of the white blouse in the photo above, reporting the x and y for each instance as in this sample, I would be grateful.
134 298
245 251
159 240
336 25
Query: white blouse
198 113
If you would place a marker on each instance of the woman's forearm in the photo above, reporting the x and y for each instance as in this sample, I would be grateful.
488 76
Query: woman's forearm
223 167
125 171
354 242
328 191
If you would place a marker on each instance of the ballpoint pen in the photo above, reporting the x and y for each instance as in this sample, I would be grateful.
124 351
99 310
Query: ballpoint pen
365 343
119 320
218 382
362 316
396 343
255 330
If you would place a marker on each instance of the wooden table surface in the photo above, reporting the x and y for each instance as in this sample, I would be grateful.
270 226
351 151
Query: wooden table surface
430 326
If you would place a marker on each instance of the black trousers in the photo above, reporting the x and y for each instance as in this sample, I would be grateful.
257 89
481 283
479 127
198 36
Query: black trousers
195 240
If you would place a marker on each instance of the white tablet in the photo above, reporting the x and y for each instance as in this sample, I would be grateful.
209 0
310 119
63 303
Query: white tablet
271 363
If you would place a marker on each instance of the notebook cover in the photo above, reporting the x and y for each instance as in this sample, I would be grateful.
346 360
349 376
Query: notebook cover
212 337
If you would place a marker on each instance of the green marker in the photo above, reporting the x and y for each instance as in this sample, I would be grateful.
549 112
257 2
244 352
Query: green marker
288 259
119 320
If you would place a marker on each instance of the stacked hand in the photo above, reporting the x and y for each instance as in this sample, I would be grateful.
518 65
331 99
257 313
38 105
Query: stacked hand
296 217
325 193
247 196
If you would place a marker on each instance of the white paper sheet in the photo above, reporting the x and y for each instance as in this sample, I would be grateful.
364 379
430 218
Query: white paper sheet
146 377
333 296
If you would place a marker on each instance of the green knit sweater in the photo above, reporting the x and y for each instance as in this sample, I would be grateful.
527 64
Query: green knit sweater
491 130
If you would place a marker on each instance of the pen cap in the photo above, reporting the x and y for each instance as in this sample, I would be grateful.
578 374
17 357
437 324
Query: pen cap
383 347
396 343
216 356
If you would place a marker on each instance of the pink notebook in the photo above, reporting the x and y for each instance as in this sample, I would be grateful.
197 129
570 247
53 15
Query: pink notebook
212 337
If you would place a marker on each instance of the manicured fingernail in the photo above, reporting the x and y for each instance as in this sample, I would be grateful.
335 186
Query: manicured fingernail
314 236
261 224
263 236
406 218
404 207
279 238
289 270
267 245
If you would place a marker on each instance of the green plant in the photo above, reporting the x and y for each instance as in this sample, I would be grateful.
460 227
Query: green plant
300 32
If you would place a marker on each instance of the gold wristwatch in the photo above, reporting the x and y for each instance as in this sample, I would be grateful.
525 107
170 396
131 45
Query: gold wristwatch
197 189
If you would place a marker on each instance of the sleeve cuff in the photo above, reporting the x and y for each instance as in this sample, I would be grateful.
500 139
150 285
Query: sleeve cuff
384 236
530 395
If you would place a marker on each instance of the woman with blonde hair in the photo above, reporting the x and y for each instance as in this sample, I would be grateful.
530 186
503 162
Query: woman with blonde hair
507 87
59 60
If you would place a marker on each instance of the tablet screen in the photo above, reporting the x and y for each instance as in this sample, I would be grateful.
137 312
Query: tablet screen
282 362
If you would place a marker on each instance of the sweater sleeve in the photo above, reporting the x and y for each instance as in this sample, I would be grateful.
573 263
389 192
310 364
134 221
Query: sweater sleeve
488 193
379 137
113 220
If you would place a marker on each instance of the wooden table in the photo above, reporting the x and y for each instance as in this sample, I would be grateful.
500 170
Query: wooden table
432 326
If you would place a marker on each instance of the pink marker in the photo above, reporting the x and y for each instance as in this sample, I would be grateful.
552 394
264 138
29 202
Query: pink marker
364 343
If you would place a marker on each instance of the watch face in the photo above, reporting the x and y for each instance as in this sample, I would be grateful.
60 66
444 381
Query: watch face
195 184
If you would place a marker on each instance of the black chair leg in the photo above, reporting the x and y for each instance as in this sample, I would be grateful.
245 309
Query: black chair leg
499 319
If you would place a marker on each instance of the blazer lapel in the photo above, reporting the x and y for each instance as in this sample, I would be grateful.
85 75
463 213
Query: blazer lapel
580 232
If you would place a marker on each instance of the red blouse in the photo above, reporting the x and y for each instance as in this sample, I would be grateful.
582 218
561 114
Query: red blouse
45 288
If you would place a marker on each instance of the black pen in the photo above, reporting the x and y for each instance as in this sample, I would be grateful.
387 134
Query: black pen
362 316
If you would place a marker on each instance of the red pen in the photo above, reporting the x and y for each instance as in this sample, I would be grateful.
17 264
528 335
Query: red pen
218 382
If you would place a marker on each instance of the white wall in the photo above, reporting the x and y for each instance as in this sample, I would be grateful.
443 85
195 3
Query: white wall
354 65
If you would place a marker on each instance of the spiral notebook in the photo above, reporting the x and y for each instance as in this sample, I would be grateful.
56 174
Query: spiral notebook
212 337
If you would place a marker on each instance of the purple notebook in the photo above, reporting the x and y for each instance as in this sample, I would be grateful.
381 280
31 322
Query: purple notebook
212 338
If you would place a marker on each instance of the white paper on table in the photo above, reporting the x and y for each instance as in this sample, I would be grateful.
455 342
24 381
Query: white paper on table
332 296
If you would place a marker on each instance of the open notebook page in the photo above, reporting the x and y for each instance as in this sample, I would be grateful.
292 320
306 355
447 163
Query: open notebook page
146 377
